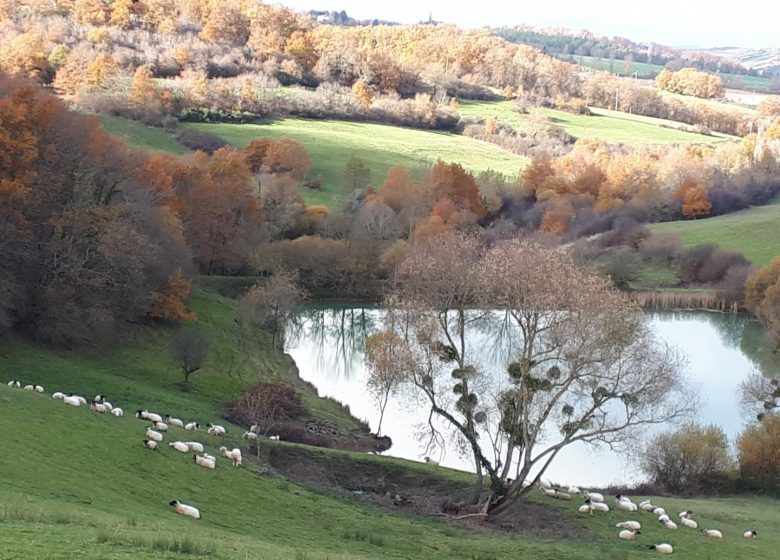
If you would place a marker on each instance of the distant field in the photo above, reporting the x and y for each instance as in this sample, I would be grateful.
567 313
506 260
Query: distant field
142 136
754 232
610 126
332 143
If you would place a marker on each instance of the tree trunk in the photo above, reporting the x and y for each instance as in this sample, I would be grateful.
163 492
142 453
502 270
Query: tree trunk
477 484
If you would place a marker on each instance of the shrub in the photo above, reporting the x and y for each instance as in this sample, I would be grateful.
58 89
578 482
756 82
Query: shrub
759 453
265 404
683 461
201 140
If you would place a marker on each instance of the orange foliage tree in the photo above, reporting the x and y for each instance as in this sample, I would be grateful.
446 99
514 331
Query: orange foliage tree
170 305
696 202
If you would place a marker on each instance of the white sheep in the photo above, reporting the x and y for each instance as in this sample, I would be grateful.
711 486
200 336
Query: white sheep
108 405
153 435
29 387
160 426
573 490
146 415
209 457
629 535
430 461
663 548
192 426
254 428
550 492
184 509
275 438
663 518
600 506
669 524
593 496
38 389
97 407
625 504
98 399
71 400
686 513
714 533
15 384
633 525
180 446
750 534
659 511
195 446
117 412
562 496
82 400
58 395
646 505
216 429
150 444
173 421
587 507
688 522
251 436
233 454
544 483
205 462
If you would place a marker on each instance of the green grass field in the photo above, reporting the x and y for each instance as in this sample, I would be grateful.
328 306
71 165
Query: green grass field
610 126
332 143
76 484
754 232
141 136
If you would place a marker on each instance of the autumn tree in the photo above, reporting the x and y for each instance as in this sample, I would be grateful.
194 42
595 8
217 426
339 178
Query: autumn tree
762 297
143 93
170 305
385 369
696 203
190 347
362 93
357 174
270 304
287 156
759 453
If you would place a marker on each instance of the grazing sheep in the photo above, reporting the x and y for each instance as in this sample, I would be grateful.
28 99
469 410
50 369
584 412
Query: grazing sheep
108 405
633 525
184 509
668 523
686 513
275 438
205 462
573 490
192 426
216 429
72 401
663 518
629 535
160 426
251 436
38 389
587 507
592 496
600 506
29 387
659 511
714 533
97 407
430 461
646 505
146 415
663 548
82 400
194 446
750 534
99 399
234 455
625 504
117 412
209 457
548 491
688 522
173 421
151 434
254 428
58 395
558 495
544 483
150 444
180 446
15 384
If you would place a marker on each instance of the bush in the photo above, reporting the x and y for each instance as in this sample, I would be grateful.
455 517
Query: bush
265 404
688 460
759 453
200 140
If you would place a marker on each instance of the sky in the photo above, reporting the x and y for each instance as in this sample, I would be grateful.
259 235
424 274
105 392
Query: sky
681 23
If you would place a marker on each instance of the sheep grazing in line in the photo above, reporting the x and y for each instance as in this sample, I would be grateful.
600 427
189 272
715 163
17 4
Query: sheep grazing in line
216 430
192 426
58 395
663 548
562 496
251 436
713 533
150 444
659 511
195 446
234 455
668 523
146 415
599 506
180 446
108 405
205 462
151 434
38 389
15 384
33 388
160 426
663 518
646 505
625 505
71 400
97 407
430 461
117 412
184 509
633 525
82 400
173 421
544 483
750 534
573 490
587 507
99 399
686 513
209 457
275 438
688 522
629 535
593 496
549 492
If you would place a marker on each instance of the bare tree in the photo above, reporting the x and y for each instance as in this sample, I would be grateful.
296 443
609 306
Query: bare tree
190 348
759 395
584 364
386 359
271 303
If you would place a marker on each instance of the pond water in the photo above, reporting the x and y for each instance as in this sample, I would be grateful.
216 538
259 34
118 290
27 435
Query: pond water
326 343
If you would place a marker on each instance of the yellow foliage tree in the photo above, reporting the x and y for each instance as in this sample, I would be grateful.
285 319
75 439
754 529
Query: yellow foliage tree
362 93
171 304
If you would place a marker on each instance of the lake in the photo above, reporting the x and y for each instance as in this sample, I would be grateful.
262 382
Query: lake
326 343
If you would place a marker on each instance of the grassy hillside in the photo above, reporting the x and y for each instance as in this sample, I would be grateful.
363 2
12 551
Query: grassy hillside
610 126
141 136
332 143
754 232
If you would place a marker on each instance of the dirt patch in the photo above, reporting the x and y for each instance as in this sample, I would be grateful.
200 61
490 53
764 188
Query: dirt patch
395 487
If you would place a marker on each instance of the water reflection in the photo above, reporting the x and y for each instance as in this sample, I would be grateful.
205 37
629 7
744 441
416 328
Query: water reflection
327 344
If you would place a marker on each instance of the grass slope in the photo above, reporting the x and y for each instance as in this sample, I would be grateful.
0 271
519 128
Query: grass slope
610 126
754 232
141 136
332 143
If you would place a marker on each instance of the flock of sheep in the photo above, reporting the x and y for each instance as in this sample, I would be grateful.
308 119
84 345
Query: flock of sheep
594 502
155 434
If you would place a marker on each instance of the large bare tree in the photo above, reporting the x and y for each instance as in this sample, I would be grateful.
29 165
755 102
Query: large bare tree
582 363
